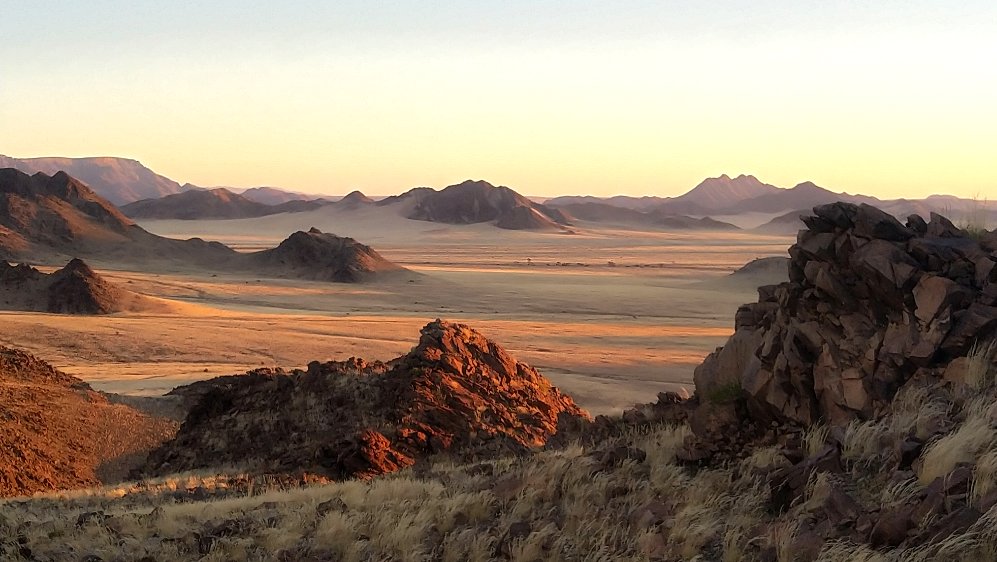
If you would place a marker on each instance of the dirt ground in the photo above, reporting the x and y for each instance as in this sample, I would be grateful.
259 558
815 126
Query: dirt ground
611 316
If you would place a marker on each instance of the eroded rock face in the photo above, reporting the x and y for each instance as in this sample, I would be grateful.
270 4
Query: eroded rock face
455 389
870 302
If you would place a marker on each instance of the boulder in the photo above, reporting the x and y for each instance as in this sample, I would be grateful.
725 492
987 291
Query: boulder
870 302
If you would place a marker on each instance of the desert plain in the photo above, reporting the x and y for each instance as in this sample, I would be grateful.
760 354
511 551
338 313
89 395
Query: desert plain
612 315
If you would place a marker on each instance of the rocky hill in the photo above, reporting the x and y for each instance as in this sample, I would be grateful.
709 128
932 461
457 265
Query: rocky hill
454 390
57 433
74 289
474 202
354 200
217 203
119 180
320 256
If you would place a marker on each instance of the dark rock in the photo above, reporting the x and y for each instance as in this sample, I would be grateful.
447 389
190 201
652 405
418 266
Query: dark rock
891 527
871 222
455 391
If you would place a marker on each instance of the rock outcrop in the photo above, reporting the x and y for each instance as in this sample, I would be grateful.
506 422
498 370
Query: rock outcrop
57 433
455 390
321 256
74 289
870 303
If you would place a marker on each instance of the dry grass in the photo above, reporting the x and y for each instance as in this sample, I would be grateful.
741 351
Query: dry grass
558 505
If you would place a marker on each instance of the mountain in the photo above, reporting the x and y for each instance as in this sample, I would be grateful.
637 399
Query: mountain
713 194
474 202
608 214
56 211
802 196
57 433
46 218
74 289
119 180
621 201
706 198
322 257
215 203
354 200
272 195
455 390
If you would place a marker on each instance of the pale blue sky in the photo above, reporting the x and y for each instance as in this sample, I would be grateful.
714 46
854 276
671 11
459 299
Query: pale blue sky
890 98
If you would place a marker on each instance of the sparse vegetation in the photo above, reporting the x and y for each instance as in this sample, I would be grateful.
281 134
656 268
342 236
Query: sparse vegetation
726 393
561 504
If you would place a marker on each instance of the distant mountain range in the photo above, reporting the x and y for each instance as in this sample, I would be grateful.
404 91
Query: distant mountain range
727 197
216 203
145 195
122 180
49 218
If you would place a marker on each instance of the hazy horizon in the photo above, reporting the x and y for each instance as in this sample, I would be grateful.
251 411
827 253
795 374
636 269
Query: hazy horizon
550 98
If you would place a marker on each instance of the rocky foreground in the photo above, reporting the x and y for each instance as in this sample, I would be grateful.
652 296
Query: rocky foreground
852 416
57 433
353 419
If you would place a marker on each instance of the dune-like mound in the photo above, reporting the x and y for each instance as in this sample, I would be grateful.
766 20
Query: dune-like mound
57 433
354 200
74 289
322 257
774 269
474 202
526 218
454 390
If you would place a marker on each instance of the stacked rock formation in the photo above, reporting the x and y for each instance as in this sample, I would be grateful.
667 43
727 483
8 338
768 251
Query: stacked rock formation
870 303
455 390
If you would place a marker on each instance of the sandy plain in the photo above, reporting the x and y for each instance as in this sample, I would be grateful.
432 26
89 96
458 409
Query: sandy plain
610 315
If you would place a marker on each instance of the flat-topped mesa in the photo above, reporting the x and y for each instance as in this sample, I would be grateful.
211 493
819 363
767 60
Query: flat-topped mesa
870 303
455 390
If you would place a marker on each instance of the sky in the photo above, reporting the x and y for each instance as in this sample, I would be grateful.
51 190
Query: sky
550 97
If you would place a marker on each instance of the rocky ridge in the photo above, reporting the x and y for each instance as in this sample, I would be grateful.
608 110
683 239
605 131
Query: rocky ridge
455 390
57 433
